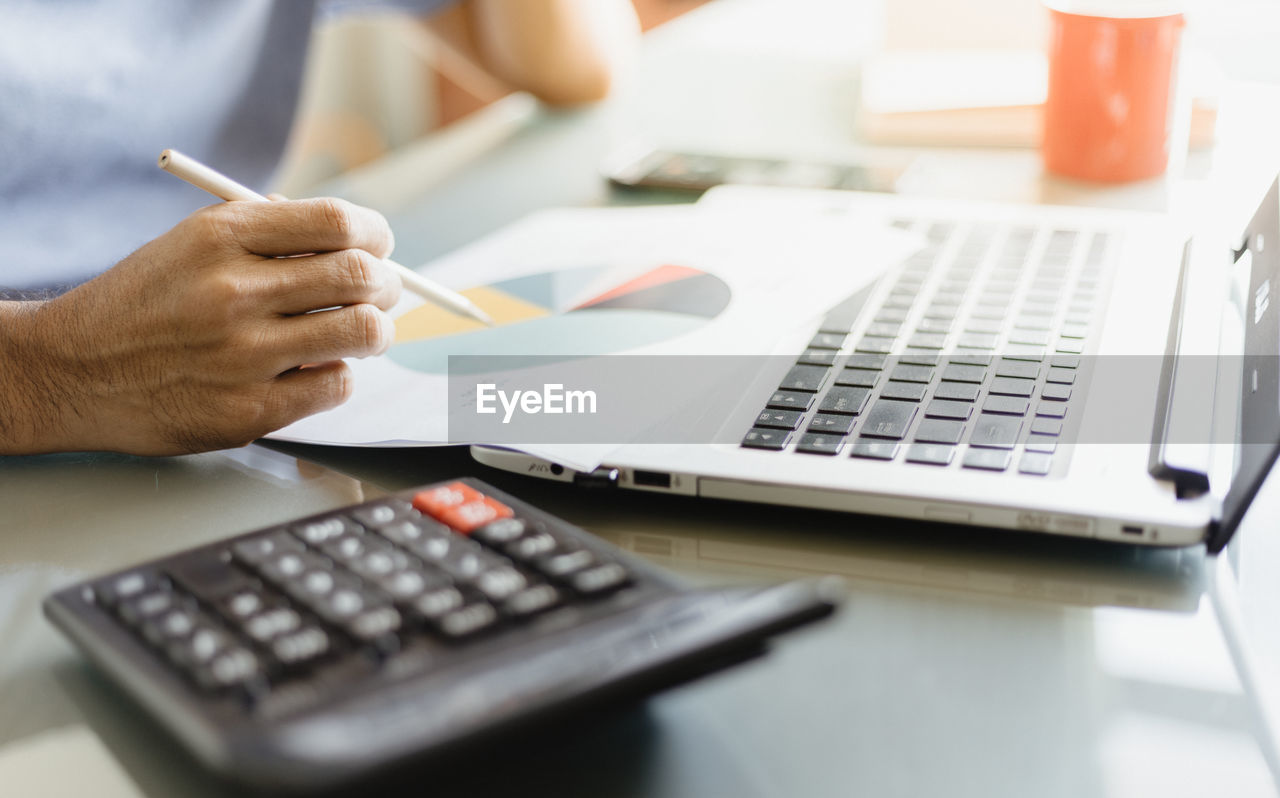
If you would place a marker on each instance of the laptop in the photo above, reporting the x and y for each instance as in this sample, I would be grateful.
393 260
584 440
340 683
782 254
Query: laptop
1052 370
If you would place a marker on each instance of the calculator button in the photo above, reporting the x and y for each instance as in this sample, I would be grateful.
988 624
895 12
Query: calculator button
464 565
342 604
318 531
435 501
379 562
200 649
496 533
127 586
383 513
600 579
467 517
232 667
172 625
500 583
562 565
147 606
244 605
257 550
305 645
404 585
374 623
532 600
468 620
407 532
437 602
272 623
292 565
532 546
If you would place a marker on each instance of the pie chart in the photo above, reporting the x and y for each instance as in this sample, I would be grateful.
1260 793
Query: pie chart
564 314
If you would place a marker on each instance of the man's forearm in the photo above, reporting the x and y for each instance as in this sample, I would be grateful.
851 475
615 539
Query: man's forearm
30 402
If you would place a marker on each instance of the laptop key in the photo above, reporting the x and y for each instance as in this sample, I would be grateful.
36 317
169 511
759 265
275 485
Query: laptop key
829 424
987 459
844 400
930 453
956 391
927 340
1060 375
817 357
857 378
1051 409
814 443
997 432
779 419
1041 443
790 400
955 372
873 449
1037 463
944 408
977 341
1046 426
935 430
911 373
1056 392
805 378
906 391
1070 346
919 357
1012 386
928 325
1018 368
1006 405
865 360
826 340
1024 352
882 329
875 345
889 419
770 439
970 359
990 326
1064 361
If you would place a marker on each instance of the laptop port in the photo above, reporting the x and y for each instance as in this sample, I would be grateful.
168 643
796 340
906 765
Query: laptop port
651 479
1132 530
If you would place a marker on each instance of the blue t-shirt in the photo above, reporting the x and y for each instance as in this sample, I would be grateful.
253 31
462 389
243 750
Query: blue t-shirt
92 91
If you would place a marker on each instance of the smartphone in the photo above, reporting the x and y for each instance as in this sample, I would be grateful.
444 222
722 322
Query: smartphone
692 171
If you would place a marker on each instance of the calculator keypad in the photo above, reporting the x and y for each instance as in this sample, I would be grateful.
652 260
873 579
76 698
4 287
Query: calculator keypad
450 564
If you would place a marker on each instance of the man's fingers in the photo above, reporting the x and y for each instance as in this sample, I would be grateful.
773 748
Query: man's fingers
297 227
302 392
347 277
352 331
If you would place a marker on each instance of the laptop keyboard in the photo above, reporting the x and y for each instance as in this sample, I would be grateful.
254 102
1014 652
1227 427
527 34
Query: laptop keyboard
971 360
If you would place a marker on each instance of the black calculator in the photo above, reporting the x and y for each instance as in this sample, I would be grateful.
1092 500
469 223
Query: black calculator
380 636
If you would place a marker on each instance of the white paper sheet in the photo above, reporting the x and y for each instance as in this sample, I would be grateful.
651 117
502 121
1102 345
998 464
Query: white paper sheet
780 273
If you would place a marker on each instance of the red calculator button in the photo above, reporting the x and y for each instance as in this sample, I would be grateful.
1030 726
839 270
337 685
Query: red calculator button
437 501
471 516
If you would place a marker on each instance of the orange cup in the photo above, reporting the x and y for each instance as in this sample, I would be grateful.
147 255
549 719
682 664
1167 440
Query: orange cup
1109 113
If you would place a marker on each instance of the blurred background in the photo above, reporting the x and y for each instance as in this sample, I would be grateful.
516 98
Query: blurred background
379 82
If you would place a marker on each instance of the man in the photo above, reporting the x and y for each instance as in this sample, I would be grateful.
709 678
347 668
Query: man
200 339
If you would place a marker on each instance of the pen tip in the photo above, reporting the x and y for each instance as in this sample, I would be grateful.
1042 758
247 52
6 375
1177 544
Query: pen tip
483 317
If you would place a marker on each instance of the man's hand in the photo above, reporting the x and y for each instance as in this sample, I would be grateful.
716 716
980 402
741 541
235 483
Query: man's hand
203 338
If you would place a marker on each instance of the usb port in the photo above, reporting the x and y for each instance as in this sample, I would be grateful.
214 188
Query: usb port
651 479
1132 530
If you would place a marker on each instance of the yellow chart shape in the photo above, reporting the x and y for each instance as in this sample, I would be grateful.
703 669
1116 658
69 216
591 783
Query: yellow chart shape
429 321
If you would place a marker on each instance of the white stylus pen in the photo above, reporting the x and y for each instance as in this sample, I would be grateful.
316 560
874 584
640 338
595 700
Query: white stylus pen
223 187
